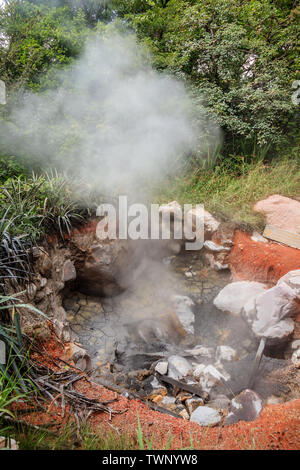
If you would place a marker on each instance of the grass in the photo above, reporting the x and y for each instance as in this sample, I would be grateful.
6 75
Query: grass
230 190
70 438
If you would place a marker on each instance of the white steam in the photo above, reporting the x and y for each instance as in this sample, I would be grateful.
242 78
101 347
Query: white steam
113 120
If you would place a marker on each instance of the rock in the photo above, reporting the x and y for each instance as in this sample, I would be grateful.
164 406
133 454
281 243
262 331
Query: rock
212 246
281 212
210 377
203 219
31 291
295 344
182 306
178 367
62 330
225 353
216 262
168 400
271 309
162 367
193 403
184 414
245 407
273 400
235 295
292 279
205 416
8 443
79 356
296 357
220 403
200 351
198 370
69 271
257 237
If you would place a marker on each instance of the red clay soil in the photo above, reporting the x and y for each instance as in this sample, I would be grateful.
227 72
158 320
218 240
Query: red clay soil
278 426
258 261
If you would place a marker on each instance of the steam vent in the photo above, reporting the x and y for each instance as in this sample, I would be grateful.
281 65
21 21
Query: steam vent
209 335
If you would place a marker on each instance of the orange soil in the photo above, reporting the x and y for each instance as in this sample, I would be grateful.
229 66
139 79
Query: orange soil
264 262
277 427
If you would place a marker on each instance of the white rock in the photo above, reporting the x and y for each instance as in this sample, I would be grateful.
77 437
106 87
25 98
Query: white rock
178 367
182 305
295 344
296 357
257 237
200 351
273 307
205 416
292 279
209 377
225 353
235 295
162 367
198 370
212 246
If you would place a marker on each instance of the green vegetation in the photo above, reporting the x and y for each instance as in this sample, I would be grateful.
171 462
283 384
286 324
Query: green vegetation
231 188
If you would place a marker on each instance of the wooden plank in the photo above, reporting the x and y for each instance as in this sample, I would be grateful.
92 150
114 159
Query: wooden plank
282 236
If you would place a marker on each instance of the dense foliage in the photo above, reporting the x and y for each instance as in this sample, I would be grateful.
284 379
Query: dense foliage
240 55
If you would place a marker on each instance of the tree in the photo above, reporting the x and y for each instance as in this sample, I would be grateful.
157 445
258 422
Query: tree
240 56
35 40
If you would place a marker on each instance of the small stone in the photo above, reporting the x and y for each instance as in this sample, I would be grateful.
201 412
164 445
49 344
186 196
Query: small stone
295 344
178 367
69 271
184 414
257 237
193 403
205 416
225 353
296 357
162 367
245 407
31 291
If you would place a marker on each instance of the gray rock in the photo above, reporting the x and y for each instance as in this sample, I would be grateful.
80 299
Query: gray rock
69 271
245 407
296 357
220 402
205 416
162 367
235 295
225 353
178 367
